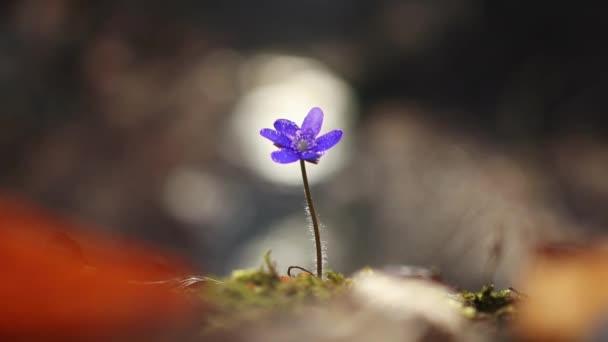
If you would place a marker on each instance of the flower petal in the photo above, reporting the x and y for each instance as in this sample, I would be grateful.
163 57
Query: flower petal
328 140
311 156
313 121
286 127
284 156
276 137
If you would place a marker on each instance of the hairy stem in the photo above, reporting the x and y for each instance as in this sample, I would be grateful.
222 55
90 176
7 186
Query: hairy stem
315 223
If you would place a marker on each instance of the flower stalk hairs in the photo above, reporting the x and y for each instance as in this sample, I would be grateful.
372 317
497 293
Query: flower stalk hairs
303 144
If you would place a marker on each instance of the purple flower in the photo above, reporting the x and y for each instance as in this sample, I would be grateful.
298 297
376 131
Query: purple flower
297 143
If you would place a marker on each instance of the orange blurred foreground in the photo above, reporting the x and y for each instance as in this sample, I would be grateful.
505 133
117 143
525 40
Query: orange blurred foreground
58 282
567 297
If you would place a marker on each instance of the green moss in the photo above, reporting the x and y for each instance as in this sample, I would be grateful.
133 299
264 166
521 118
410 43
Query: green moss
248 296
251 294
488 303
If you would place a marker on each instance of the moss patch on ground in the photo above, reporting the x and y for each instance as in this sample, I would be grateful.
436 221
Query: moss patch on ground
488 303
249 295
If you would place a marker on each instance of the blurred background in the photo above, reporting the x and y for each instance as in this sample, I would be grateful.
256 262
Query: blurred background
473 129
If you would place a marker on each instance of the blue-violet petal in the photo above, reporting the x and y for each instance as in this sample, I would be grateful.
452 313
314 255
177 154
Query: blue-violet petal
311 155
284 156
287 127
313 121
328 140
276 137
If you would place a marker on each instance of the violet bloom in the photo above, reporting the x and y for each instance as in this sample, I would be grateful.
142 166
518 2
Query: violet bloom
297 143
